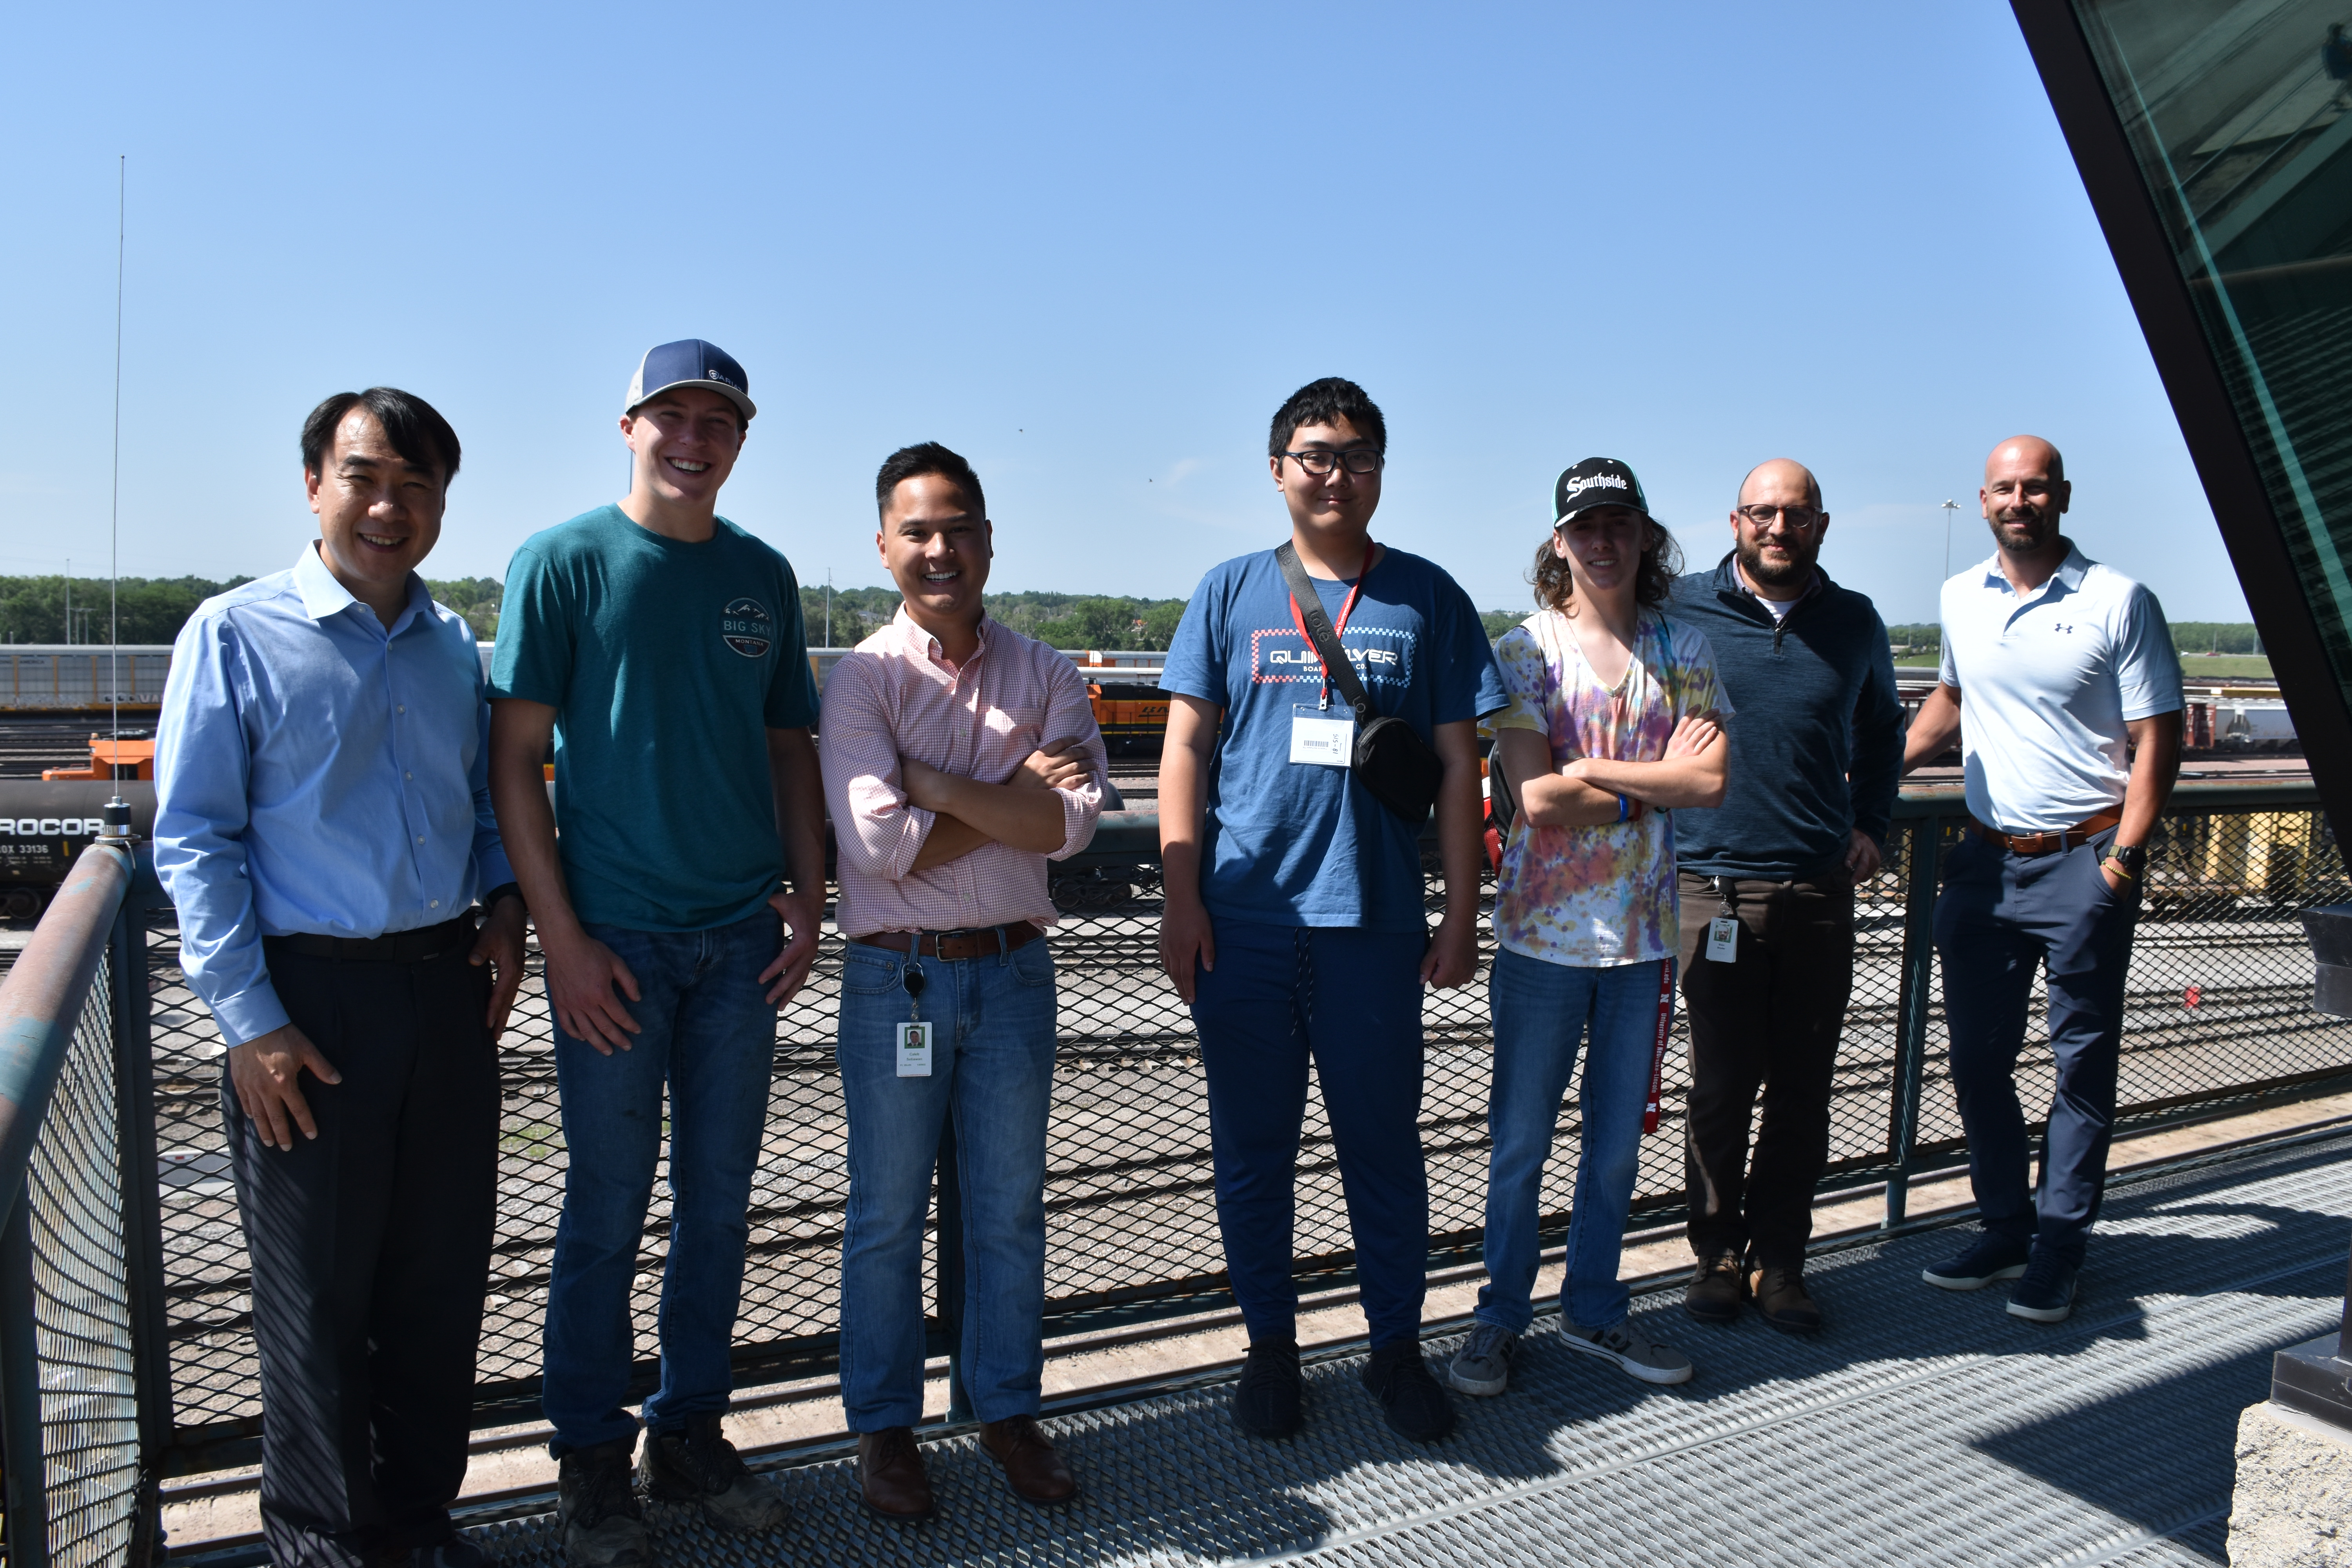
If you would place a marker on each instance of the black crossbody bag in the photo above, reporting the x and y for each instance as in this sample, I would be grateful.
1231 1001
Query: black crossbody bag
1390 759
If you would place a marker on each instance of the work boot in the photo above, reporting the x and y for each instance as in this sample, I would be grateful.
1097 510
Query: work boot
1266 1401
694 1463
1411 1402
1717 1291
890 1478
1781 1300
596 1508
1037 1474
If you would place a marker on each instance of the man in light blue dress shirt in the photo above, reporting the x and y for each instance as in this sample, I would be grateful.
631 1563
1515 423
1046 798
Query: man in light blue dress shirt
323 824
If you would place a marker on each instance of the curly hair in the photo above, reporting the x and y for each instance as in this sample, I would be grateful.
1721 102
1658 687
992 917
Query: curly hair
1662 562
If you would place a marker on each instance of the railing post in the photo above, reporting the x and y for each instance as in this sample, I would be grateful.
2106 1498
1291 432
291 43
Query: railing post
950 1268
26 1456
143 1219
1911 1009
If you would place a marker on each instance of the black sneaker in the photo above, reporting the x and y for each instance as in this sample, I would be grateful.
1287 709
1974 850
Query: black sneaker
597 1513
1266 1400
1717 1290
1991 1257
694 1463
1410 1401
2046 1294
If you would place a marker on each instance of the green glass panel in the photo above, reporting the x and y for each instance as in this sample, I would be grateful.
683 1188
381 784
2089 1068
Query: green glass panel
2240 117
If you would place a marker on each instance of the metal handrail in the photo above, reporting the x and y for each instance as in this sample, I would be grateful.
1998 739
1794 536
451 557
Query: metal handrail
42 998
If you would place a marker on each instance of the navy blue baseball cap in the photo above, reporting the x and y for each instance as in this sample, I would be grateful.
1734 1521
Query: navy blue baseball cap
689 361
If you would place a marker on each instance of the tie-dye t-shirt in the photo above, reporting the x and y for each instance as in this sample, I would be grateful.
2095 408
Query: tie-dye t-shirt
1605 895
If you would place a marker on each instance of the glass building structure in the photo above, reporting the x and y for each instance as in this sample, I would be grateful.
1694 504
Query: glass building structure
2215 139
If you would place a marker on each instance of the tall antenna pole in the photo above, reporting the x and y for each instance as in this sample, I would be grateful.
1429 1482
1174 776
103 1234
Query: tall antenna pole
114 516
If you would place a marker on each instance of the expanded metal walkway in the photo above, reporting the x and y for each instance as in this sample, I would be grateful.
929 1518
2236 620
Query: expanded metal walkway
1921 1428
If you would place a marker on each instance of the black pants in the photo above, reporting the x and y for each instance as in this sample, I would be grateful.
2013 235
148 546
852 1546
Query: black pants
370 1250
1769 1019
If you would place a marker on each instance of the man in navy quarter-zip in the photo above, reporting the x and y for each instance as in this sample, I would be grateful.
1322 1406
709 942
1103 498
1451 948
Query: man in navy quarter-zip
1768 882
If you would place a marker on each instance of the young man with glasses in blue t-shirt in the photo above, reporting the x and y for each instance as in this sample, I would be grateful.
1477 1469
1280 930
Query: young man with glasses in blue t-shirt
1294 925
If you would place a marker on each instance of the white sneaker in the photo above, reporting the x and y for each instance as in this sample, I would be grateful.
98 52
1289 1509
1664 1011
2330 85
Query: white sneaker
1625 1344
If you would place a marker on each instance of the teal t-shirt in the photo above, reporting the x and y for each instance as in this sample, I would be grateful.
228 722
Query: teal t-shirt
667 664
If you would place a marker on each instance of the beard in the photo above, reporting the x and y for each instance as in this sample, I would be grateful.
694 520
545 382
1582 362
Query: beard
1796 573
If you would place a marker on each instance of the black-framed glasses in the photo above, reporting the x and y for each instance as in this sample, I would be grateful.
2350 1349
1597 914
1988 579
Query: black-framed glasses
1356 459
1803 518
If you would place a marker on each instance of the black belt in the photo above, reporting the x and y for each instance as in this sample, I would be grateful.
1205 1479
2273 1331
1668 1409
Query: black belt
400 947
980 942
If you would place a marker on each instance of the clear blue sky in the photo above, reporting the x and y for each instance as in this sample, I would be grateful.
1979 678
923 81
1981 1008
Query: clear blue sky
1091 248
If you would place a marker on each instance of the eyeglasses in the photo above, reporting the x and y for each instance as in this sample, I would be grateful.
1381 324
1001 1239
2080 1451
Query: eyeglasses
1357 460
1803 518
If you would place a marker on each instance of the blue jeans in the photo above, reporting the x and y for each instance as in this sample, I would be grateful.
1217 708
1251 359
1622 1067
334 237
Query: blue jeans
709 1034
1352 1000
993 1022
2001 917
1542 1012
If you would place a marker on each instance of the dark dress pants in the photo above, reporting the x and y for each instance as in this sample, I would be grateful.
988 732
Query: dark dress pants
371 1248
1770 1020
2002 916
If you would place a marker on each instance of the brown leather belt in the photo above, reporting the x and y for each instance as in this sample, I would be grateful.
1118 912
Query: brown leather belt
2043 843
400 947
984 942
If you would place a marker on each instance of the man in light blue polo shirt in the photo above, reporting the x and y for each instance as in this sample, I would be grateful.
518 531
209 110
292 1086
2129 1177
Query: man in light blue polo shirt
2071 735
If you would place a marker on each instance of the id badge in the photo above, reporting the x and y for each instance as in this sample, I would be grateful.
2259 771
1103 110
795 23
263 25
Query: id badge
915 1050
1723 938
1317 737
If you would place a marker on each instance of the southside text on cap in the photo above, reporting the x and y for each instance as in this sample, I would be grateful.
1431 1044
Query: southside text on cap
689 361
1596 482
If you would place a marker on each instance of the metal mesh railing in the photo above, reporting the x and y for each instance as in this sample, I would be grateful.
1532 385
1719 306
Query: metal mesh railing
2220 991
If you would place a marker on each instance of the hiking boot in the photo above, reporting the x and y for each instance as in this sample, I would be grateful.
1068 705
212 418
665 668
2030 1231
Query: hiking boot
2046 1293
596 1508
1631 1349
1990 1259
694 1463
1035 1471
1717 1291
890 1478
1410 1401
1266 1400
1483 1365
1783 1301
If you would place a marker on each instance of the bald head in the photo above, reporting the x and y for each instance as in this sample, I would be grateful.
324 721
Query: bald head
2026 455
1781 475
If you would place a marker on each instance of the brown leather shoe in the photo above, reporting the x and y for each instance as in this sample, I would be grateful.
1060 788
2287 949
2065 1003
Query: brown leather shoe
890 1478
1783 1301
1035 1471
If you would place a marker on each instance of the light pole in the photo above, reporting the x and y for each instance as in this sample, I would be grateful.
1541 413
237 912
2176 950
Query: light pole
828 606
1949 508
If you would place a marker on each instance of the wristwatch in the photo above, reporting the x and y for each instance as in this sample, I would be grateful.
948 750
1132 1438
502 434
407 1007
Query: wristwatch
2129 860
503 890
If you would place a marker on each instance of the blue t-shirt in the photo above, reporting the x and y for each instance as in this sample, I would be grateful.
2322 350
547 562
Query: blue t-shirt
667 663
1301 844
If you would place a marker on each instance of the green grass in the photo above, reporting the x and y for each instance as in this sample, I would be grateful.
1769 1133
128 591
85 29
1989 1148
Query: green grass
2194 666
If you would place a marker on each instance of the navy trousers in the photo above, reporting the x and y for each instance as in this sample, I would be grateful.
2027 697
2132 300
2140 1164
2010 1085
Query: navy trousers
1352 1000
2002 916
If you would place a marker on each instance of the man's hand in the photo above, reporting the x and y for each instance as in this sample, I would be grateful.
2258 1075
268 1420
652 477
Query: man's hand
581 975
499 945
1861 855
1185 931
263 1071
1058 764
791 969
1453 955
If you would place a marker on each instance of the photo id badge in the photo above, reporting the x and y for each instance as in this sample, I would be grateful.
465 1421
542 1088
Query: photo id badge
1723 938
1318 735
914 1051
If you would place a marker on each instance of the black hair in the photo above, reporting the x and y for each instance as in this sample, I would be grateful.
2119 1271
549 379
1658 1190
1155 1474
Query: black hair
414 426
1327 401
1654 579
927 457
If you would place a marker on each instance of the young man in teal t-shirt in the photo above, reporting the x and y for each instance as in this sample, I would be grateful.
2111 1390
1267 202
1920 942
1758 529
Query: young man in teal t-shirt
660 647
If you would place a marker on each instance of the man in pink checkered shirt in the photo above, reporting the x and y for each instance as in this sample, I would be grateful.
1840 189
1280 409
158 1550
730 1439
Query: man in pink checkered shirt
958 758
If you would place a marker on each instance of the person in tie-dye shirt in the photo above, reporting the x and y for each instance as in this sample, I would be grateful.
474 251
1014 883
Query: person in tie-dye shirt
1615 720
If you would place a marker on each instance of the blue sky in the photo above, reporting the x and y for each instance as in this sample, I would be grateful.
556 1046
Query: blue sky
1091 248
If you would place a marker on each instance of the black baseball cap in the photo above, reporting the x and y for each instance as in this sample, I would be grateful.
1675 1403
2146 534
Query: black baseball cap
689 361
1596 482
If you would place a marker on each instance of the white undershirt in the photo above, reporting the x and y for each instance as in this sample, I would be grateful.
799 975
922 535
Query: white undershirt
1780 607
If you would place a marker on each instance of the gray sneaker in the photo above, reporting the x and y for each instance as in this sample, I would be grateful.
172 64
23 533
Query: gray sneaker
1482 1364
697 1464
597 1511
1629 1348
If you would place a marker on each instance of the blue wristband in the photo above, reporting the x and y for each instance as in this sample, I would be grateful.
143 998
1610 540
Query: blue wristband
1622 808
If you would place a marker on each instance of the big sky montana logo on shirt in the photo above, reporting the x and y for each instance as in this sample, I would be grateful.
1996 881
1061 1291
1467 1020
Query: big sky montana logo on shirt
748 627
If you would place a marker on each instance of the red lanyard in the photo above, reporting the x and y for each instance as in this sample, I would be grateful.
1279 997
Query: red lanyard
1299 619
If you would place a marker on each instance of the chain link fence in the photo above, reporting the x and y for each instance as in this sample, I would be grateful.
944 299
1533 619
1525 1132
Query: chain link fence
2219 1011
